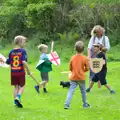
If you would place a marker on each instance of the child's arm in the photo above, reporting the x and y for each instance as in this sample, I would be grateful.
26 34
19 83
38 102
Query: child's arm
26 67
86 68
70 66
28 71
7 61
104 50
3 60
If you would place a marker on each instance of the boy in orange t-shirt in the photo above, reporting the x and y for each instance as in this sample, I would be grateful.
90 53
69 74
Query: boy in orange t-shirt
78 67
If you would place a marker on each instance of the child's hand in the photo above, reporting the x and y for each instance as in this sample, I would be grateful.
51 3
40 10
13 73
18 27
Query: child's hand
69 75
104 49
88 59
1 61
29 73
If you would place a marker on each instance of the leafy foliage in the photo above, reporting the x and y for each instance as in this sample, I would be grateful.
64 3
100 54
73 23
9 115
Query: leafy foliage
50 17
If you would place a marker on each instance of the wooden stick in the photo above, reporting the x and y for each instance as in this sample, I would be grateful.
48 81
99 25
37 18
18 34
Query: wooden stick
65 72
52 45
34 78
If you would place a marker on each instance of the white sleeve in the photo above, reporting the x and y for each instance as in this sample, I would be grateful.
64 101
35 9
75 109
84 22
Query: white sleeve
90 44
107 43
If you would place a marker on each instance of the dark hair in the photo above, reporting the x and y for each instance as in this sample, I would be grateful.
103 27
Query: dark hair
79 46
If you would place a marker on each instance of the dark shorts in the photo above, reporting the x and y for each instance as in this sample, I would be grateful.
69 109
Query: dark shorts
44 76
100 76
18 80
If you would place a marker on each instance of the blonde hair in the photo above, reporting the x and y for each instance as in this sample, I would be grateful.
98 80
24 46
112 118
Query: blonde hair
97 27
79 46
19 39
42 47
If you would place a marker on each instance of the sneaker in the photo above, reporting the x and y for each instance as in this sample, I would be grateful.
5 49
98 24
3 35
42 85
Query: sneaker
112 92
17 102
86 105
37 88
45 91
66 107
88 90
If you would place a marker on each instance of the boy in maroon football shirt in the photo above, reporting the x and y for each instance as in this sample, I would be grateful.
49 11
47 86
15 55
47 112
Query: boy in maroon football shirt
18 62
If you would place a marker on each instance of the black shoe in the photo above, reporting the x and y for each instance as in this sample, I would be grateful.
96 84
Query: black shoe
86 105
18 104
88 90
45 91
112 92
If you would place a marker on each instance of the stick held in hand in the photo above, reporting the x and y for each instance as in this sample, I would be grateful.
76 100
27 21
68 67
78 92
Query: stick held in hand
33 78
52 45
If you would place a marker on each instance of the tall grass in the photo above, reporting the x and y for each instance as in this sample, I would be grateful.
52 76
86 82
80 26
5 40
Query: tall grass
64 48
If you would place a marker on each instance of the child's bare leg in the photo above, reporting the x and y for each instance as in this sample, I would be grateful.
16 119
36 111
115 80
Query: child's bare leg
90 81
17 100
99 84
90 86
19 93
44 87
109 88
42 84
21 90
16 89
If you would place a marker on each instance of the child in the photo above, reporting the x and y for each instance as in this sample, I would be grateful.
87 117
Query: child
18 61
45 67
78 67
102 74
97 36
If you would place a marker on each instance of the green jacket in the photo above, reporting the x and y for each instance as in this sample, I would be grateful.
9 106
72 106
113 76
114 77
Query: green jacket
45 66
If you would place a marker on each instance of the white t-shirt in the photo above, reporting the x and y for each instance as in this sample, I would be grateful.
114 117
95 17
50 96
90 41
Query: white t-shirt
100 41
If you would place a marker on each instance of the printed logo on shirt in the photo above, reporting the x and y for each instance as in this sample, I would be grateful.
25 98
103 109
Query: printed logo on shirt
15 63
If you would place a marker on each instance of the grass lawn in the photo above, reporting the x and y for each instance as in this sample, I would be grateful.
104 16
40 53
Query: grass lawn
104 106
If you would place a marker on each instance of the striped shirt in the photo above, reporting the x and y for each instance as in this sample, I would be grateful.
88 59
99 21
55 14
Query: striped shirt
16 56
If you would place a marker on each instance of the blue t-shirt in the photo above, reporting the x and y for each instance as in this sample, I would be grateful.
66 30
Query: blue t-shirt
16 56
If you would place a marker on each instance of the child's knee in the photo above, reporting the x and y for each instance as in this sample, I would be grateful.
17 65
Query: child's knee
46 81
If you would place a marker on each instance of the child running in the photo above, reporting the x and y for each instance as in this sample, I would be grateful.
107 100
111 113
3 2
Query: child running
18 62
102 74
78 67
45 68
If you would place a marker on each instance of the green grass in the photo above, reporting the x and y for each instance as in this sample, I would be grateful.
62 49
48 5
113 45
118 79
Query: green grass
104 106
